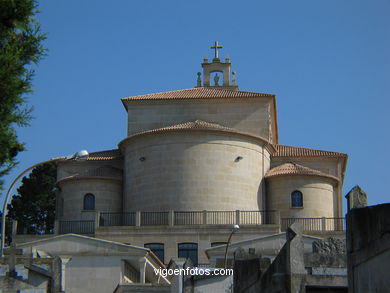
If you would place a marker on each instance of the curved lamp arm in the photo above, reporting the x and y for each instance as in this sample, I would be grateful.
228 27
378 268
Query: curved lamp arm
78 155
235 229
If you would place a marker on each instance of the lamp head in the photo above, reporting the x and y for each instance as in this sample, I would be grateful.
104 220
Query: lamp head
81 155
236 227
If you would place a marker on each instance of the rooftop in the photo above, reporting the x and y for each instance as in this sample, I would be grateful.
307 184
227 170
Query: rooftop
296 169
198 93
292 151
105 155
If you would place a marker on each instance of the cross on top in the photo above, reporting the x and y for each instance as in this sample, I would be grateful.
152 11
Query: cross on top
216 47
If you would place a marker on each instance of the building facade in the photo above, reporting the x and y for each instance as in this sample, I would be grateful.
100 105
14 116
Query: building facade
194 162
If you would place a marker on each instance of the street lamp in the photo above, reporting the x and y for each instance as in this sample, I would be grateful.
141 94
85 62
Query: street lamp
235 228
80 155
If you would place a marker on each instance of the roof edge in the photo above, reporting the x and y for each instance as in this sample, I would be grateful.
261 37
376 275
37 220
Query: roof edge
215 130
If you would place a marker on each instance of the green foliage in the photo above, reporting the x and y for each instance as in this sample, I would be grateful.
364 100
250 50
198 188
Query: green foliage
20 46
34 205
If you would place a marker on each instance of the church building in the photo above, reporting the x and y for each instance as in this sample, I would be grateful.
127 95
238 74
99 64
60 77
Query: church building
195 162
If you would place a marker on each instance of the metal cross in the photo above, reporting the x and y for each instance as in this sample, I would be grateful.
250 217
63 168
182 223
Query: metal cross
216 47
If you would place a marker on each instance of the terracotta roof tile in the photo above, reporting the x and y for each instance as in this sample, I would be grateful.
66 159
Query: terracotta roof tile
105 155
198 93
292 151
197 125
296 169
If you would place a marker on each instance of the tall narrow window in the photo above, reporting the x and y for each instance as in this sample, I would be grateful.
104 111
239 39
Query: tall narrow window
189 250
296 199
157 249
89 202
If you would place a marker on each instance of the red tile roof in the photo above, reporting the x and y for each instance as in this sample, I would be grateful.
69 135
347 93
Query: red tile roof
198 125
292 151
295 169
198 93
105 155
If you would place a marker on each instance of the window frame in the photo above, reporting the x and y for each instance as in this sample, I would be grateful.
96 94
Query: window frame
86 204
189 251
293 199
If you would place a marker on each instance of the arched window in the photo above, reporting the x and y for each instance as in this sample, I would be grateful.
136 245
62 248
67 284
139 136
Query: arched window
296 199
189 250
157 249
89 202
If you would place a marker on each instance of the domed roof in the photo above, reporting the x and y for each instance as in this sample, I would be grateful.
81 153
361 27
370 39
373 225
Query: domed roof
198 125
296 169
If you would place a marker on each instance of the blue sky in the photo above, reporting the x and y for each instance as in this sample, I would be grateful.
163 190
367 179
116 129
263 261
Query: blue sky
328 63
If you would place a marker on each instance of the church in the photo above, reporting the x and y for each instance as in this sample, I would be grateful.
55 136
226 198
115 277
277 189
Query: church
195 162
197 166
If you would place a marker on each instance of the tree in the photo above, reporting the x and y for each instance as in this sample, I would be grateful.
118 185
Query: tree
20 47
34 205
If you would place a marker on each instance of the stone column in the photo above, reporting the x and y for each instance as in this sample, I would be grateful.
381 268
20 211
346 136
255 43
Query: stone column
97 220
237 217
64 262
356 198
138 218
142 268
171 218
178 281
204 214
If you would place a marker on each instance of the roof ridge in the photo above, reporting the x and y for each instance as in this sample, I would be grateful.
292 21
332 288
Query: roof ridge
295 151
159 93
198 92
198 124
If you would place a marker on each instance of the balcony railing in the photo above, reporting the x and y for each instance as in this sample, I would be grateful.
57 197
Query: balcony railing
78 227
117 219
196 218
178 218
315 224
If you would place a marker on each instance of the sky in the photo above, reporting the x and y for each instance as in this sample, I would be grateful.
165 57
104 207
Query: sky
327 62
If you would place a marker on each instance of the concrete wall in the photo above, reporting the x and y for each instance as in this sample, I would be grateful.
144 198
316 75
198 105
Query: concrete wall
317 196
250 115
215 284
92 274
193 171
70 200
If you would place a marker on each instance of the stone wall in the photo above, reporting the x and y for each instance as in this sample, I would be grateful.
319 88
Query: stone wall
251 115
107 192
368 245
194 171
318 196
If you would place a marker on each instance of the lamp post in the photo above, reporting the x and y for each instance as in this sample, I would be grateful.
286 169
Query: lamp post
235 228
83 154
